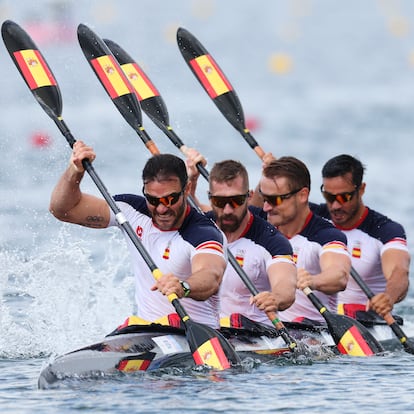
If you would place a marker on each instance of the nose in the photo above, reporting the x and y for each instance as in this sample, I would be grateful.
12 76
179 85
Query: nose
161 209
228 207
267 206
336 204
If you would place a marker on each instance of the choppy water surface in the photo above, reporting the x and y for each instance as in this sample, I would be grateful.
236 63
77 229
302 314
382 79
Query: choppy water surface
315 79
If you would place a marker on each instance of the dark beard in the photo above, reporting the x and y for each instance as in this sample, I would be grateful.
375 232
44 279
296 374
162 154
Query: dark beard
230 228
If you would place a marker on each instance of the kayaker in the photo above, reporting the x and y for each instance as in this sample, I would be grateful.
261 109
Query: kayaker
378 245
186 246
320 250
264 253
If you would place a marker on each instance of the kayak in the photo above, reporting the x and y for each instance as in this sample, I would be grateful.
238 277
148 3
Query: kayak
152 346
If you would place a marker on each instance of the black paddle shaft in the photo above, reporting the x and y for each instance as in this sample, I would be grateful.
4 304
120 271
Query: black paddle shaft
153 105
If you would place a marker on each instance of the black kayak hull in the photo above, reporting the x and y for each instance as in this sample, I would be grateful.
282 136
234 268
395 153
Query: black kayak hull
152 347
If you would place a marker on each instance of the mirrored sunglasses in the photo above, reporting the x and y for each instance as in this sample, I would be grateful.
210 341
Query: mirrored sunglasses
234 201
341 198
167 201
277 199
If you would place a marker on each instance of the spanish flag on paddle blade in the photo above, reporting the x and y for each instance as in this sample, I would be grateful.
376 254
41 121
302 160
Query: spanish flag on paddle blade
211 353
142 85
353 343
210 76
111 76
34 69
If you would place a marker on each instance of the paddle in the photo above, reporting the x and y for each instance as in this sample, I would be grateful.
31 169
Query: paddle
95 49
350 336
215 83
154 106
207 345
220 90
149 97
389 319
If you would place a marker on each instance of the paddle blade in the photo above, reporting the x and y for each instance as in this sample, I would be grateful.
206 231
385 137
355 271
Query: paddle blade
211 78
110 75
33 68
209 347
351 337
149 98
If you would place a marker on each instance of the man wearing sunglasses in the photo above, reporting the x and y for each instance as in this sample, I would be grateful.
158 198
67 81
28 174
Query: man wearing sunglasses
378 245
319 248
185 245
264 253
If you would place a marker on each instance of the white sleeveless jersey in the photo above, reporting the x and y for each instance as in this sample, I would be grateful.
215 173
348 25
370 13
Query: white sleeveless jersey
260 246
367 241
172 252
317 238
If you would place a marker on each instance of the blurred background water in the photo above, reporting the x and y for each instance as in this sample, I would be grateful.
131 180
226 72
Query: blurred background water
316 78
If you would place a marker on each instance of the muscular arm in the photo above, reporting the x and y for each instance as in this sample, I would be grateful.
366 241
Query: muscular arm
282 278
207 274
333 278
395 266
69 204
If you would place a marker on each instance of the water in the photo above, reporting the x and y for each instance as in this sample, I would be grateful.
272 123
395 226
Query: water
62 287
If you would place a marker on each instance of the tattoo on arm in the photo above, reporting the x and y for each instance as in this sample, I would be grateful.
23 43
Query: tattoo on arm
93 221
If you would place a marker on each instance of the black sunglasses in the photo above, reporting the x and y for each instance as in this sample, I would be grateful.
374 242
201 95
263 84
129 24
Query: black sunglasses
341 198
166 201
234 201
277 199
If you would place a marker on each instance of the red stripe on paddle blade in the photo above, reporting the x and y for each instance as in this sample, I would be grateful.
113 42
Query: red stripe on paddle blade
353 343
211 353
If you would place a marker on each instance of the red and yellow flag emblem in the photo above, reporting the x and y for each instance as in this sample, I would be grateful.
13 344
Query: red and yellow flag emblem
142 85
34 69
211 353
356 252
352 343
134 364
111 76
210 75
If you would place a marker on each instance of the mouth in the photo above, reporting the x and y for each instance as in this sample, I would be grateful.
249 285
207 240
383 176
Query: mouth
337 214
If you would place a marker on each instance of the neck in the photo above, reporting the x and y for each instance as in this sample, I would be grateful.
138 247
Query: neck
356 218
295 226
235 235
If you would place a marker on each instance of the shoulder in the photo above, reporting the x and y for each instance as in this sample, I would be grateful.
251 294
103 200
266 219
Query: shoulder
264 234
135 201
197 228
257 211
381 227
322 231
320 209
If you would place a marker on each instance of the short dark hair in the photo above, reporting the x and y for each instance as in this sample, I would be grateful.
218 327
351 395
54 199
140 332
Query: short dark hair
343 164
290 167
228 170
162 167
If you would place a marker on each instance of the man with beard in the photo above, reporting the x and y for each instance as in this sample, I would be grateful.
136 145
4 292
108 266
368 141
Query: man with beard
377 244
320 250
186 246
262 251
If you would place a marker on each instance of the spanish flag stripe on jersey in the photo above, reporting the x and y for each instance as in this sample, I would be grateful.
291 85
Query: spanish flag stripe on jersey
212 354
210 75
352 343
34 69
335 245
210 245
113 79
142 85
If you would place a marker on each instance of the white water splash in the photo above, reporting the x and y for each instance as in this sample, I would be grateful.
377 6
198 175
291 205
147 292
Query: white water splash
62 298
